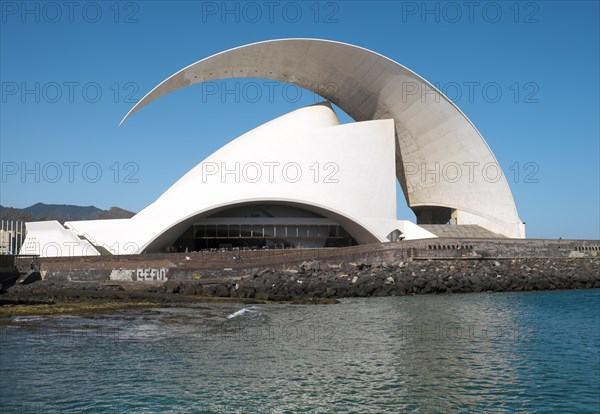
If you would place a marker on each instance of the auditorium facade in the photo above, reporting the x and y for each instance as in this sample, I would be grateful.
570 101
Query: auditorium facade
304 180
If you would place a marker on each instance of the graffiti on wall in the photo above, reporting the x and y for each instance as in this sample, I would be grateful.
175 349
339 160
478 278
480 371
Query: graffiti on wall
146 275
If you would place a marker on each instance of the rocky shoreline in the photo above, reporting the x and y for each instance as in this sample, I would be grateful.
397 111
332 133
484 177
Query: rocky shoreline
359 279
316 282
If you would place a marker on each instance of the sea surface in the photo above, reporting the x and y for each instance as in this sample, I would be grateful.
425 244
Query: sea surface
494 353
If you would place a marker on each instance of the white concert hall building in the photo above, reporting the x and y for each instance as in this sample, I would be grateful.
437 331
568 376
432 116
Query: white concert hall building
304 179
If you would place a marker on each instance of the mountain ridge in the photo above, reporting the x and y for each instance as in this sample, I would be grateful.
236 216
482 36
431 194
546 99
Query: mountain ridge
62 213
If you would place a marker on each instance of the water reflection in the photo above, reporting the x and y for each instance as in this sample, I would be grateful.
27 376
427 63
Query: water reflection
523 353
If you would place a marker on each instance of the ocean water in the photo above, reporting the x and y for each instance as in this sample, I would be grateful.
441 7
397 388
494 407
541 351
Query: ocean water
492 353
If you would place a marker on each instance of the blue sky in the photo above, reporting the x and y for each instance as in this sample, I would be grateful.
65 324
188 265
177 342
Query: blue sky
70 71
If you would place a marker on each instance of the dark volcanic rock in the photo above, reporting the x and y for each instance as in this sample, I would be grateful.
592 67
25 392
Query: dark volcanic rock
312 282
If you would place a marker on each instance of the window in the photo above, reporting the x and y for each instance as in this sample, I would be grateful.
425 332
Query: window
246 230
269 230
302 230
221 230
280 230
234 231
334 231
211 230
323 230
257 230
292 230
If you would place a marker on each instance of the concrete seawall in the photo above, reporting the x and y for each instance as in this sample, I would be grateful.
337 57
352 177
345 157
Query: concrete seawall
196 265
388 269
314 280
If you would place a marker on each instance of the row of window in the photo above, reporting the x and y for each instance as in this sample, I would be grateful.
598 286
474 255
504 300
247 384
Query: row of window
233 231
457 246
449 247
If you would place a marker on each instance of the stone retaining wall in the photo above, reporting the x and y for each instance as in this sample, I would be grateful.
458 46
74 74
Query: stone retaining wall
314 281
207 265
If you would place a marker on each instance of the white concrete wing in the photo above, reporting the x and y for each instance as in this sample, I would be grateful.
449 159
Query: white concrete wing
304 159
51 239
441 158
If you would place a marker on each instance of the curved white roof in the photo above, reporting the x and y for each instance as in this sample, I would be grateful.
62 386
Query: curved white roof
441 158
276 163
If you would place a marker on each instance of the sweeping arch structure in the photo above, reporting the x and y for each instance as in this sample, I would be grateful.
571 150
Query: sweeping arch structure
404 129
446 170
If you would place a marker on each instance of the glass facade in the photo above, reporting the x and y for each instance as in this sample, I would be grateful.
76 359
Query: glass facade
215 236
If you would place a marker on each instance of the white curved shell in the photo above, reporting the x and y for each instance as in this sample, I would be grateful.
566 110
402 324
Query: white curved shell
432 134
347 172
355 185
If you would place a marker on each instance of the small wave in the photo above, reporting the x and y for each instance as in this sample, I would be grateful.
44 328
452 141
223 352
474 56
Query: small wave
27 318
251 309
